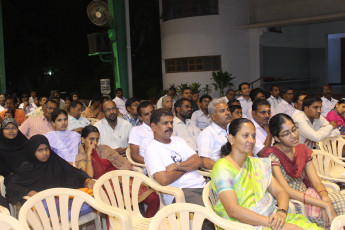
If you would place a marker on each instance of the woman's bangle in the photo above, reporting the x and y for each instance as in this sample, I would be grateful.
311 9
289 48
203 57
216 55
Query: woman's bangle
304 198
323 191
282 210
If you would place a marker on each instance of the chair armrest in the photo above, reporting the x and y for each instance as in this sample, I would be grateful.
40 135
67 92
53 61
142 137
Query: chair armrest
4 210
129 158
299 203
204 173
292 209
176 192
331 186
2 186
138 169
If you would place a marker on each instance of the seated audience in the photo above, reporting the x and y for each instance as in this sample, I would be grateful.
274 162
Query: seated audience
201 118
26 105
56 93
312 126
171 161
167 103
328 102
183 126
12 145
41 124
132 115
120 101
114 131
338 115
9 114
244 99
261 115
256 93
44 169
229 95
246 189
97 160
235 112
275 98
64 142
195 97
141 136
292 166
172 93
94 110
39 110
211 139
2 102
187 94
75 121
298 102
33 96
67 104
286 105
10 104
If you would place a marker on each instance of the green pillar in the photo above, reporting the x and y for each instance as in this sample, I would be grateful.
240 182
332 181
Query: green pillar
117 36
2 56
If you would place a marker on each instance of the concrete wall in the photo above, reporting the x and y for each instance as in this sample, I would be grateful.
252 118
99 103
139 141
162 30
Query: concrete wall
212 35
272 10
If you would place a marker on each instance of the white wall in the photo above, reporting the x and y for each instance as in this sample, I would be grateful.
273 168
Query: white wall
212 35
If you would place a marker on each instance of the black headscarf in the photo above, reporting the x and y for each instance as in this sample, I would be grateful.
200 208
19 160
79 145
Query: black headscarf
35 175
12 152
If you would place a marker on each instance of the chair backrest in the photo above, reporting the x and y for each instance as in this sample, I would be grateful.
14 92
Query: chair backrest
34 213
179 216
120 188
129 158
338 223
332 145
8 222
209 197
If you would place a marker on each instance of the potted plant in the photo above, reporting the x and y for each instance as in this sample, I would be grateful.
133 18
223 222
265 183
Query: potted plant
222 80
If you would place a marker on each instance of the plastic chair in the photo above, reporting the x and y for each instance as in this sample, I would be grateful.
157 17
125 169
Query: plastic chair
8 222
129 158
328 166
333 145
34 214
205 172
167 218
92 120
113 188
338 223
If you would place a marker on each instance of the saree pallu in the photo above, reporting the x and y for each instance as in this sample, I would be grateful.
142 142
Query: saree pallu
251 186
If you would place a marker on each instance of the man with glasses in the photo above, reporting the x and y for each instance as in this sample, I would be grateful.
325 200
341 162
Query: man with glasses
201 118
10 104
312 126
114 131
41 124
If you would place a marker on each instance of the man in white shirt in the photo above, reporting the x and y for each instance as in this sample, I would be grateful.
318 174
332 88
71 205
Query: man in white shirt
328 102
246 102
275 98
211 139
114 131
141 136
171 92
201 118
120 101
312 126
75 121
2 102
229 95
26 105
286 105
183 126
171 161
261 115
297 102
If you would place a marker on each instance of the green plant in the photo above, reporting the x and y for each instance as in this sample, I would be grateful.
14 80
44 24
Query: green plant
207 89
180 87
222 80
195 86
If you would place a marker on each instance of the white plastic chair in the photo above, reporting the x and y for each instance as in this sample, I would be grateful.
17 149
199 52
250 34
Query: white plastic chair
205 172
8 222
191 216
328 166
333 145
33 213
129 158
113 188
338 223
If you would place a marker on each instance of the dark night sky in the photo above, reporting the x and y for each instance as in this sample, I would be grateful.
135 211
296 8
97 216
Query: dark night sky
41 35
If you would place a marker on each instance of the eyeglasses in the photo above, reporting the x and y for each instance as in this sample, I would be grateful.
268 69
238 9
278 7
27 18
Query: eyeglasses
289 132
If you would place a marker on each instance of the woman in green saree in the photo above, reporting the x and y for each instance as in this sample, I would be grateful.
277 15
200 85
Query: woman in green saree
246 189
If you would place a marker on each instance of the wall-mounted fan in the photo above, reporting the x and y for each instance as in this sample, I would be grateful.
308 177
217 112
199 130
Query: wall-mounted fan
98 13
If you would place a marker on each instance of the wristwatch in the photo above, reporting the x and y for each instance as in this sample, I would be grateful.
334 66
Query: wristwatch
178 165
282 210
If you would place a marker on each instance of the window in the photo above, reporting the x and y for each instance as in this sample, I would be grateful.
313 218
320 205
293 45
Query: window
193 64
173 9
